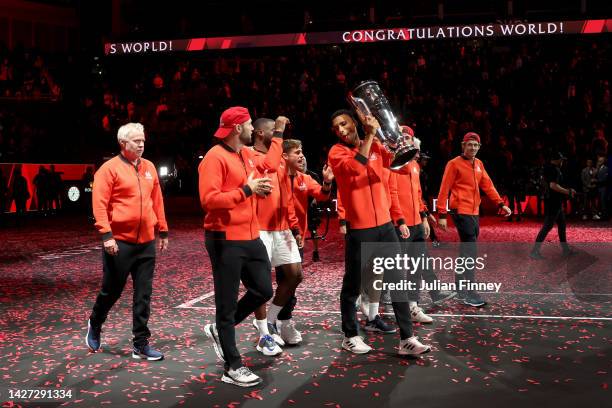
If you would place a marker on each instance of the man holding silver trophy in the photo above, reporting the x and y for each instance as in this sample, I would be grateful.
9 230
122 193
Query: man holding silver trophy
358 167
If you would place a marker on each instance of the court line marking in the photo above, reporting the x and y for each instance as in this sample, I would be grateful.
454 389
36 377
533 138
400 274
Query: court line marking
549 293
210 294
189 304
478 316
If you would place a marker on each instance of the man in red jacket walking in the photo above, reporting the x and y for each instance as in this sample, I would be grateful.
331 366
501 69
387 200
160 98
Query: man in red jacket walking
228 183
280 232
128 208
358 168
464 177
409 213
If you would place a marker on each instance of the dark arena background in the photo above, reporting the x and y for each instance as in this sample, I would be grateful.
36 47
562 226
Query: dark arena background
530 77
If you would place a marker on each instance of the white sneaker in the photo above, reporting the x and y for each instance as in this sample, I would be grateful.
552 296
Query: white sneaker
242 377
412 347
271 331
289 334
417 315
596 217
355 345
267 346
584 218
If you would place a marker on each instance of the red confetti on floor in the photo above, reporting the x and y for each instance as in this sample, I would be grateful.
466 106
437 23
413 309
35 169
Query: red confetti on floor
50 272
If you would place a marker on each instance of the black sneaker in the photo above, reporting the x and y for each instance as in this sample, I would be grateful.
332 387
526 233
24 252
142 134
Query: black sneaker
440 296
93 337
315 256
378 325
536 255
473 299
147 352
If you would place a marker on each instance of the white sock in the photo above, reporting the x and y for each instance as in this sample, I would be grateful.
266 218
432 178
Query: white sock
364 304
273 312
372 311
412 305
262 326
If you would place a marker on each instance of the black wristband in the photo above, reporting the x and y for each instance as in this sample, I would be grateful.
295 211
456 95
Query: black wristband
247 190
361 158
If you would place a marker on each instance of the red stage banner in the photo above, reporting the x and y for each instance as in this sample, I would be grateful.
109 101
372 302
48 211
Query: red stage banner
363 36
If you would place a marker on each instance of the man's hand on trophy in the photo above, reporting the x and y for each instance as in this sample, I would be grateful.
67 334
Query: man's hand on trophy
370 125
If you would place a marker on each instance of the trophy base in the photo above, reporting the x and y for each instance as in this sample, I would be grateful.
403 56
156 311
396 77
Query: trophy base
402 157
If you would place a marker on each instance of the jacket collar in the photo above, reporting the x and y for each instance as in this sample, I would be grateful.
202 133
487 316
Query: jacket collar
122 157
228 148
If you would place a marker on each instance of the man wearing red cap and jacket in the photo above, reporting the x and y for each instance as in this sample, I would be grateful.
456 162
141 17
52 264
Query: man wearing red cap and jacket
128 208
227 183
464 177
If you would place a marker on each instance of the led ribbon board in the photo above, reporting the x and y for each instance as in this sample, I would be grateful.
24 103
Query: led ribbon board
471 31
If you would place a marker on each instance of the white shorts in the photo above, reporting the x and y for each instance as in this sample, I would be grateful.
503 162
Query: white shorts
281 246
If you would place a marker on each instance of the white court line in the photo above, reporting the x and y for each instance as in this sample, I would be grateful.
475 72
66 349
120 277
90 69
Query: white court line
549 293
209 294
189 304
478 316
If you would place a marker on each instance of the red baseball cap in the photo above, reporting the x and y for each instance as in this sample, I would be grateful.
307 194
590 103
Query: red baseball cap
471 136
407 130
236 115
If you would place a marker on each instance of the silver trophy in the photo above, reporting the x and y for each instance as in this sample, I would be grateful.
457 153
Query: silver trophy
368 99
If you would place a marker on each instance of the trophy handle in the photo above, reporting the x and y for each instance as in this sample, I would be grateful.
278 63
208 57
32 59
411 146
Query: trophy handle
359 105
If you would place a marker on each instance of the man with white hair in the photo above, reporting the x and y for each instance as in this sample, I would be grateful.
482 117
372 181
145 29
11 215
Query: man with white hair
128 207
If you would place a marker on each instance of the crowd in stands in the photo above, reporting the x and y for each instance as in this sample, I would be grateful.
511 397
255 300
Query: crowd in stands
26 74
524 98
